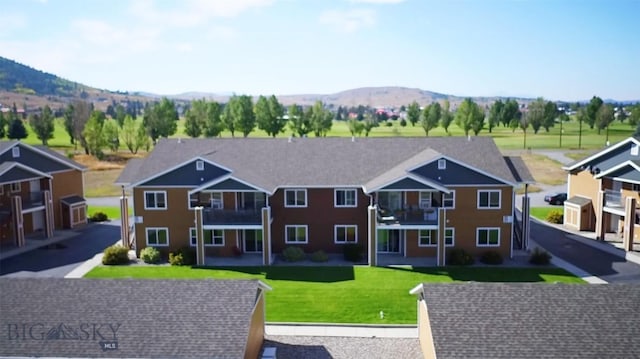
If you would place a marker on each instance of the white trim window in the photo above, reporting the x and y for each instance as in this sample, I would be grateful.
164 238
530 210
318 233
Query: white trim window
212 237
157 236
15 152
345 198
489 199
345 233
155 199
488 237
296 234
442 164
449 236
15 187
449 200
295 197
199 165
425 200
427 238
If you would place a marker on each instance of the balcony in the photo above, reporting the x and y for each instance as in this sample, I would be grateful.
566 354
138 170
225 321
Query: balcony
228 217
428 216
32 200
613 199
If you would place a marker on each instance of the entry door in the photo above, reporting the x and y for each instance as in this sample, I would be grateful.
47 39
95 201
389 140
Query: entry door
252 240
389 240
38 220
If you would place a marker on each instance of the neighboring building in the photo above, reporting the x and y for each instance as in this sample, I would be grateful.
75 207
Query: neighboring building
528 320
402 196
603 192
127 318
40 191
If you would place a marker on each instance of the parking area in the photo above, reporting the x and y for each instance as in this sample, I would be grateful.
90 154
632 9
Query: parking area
59 258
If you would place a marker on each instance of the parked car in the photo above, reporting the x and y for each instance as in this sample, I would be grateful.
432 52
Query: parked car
556 198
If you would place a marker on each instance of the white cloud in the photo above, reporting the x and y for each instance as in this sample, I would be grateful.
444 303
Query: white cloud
193 12
376 1
348 20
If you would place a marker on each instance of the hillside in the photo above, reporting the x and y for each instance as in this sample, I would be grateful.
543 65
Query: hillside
26 86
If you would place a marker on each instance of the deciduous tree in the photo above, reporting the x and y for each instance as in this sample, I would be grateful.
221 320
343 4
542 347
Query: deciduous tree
82 110
536 113
355 127
592 110
111 133
3 126
495 114
430 117
93 134
161 119
43 125
298 122
446 117
413 113
213 126
270 115
241 111
129 134
321 119
469 117
550 115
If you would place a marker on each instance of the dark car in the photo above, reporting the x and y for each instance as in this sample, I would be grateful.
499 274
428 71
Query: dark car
555 198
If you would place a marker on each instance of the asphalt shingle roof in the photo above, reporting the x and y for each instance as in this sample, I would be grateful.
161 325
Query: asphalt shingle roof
5 145
156 318
529 320
271 163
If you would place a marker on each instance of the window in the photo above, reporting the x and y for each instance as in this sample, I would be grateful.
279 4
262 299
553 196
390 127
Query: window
427 238
155 200
295 198
442 164
15 152
425 200
345 198
634 150
295 234
489 199
449 236
635 187
212 237
488 237
1 189
199 165
449 200
216 200
345 234
158 237
14 187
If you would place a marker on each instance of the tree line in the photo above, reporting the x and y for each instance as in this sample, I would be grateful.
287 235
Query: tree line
95 130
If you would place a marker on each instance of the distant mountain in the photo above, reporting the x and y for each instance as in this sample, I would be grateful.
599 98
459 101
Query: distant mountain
19 78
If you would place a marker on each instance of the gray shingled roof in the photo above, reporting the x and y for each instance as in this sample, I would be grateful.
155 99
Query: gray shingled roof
157 318
579 200
130 171
5 145
529 320
271 163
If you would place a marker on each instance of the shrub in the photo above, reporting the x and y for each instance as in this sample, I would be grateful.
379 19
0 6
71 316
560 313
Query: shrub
491 257
555 216
99 217
319 256
185 256
115 254
352 252
150 255
540 257
460 257
293 254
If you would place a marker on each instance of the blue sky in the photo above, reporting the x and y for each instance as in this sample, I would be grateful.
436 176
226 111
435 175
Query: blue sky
558 49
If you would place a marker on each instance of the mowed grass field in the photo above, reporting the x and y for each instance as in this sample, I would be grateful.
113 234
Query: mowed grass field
102 174
346 294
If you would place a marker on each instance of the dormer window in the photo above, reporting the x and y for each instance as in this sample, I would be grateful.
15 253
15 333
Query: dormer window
442 164
15 152
199 165
634 149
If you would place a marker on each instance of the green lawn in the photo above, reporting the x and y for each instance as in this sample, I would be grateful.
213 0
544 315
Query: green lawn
112 212
342 294
542 212
505 138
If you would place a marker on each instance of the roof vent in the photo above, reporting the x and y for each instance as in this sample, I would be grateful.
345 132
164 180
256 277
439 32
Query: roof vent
353 138
179 140
469 138
290 139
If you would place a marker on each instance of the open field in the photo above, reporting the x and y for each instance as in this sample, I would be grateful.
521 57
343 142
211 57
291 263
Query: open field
545 170
342 294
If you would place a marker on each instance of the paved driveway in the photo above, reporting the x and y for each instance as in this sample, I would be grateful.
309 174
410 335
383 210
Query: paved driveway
609 267
62 258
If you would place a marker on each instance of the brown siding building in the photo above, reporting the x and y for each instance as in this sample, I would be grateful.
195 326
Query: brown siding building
40 191
402 197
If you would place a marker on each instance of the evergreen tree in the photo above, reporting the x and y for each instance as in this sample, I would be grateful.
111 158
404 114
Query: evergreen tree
16 130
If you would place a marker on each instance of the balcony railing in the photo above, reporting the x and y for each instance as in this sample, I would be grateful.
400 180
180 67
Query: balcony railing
613 199
231 217
33 199
408 217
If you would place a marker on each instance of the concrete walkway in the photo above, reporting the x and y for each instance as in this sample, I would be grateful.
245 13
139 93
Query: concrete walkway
336 330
